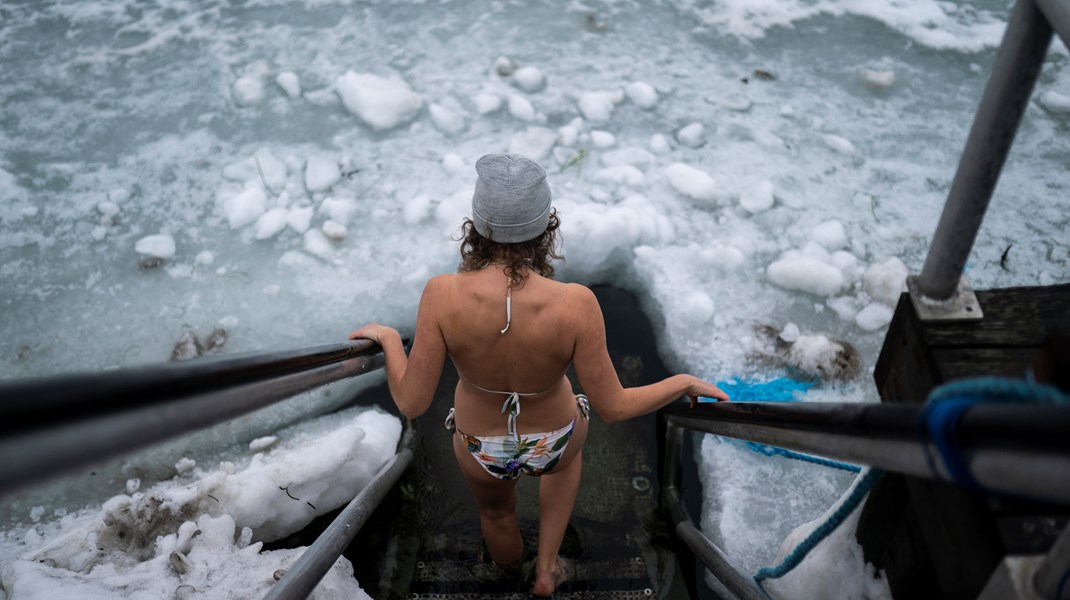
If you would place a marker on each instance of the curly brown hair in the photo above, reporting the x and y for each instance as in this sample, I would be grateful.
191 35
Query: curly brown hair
478 252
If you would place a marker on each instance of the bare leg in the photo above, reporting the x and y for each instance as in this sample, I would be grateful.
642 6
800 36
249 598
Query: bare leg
557 496
496 501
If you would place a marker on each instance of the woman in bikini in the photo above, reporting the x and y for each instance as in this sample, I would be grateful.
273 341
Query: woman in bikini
512 331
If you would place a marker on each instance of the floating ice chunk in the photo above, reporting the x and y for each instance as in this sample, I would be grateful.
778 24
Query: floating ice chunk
289 83
815 250
36 513
819 356
839 144
447 120
323 97
316 244
830 234
159 245
637 157
1055 102
204 257
185 464
874 317
263 443
757 198
603 139
535 142
790 333
271 223
99 233
248 90
843 306
503 66
620 174
877 80
520 108
642 94
382 103
132 485
416 209
691 182
529 79
246 206
795 271
847 263
338 209
786 111
598 106
108 209
692 135
299 218
334 230
659 144
263 166
885 281
321 173
487 103
228 321
566 135
453 163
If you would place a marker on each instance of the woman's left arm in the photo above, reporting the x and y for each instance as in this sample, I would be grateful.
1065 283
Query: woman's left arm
413 379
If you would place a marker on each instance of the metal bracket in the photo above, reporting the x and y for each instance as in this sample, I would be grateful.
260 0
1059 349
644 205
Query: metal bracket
961 306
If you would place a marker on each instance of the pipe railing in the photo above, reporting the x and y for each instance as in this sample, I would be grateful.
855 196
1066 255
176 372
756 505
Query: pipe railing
732 577
1017 450
305 574
48 426
1006 96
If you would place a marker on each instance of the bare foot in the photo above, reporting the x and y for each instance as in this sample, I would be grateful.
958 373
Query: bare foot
546 582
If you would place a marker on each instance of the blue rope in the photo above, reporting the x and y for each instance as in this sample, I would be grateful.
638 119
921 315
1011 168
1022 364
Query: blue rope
797 555
939 421
824 462
781 389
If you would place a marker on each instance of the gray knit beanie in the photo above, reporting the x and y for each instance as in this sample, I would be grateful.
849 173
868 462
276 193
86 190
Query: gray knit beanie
512 200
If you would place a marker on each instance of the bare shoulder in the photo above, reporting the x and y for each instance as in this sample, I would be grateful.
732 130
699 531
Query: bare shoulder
440 286
580 300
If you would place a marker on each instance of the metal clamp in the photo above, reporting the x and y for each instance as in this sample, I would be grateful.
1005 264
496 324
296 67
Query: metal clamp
961 306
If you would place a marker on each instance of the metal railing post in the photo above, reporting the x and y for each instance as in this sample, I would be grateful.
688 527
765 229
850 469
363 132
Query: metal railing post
1006 96
735 581
305 574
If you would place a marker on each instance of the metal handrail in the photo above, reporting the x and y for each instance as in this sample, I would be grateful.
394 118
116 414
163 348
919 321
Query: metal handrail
300 579
46 401
732 577
1006 96
154 403
1011 449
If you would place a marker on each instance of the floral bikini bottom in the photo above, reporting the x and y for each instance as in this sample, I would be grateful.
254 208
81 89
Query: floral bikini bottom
510 456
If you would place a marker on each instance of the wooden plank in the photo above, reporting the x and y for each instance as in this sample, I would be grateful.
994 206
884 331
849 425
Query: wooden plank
1014 317
959 363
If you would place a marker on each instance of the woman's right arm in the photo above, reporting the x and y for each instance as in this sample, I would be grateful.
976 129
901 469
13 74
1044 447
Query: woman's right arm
599 379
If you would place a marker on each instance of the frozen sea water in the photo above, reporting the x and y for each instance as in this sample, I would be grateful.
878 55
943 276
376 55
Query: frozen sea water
124 120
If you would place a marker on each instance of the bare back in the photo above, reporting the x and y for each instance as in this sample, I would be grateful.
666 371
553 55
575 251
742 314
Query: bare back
531 356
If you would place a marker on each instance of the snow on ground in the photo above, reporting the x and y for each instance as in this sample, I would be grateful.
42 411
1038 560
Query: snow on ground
298 170
200 533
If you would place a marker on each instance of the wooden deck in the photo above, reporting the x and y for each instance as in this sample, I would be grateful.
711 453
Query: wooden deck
935 539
